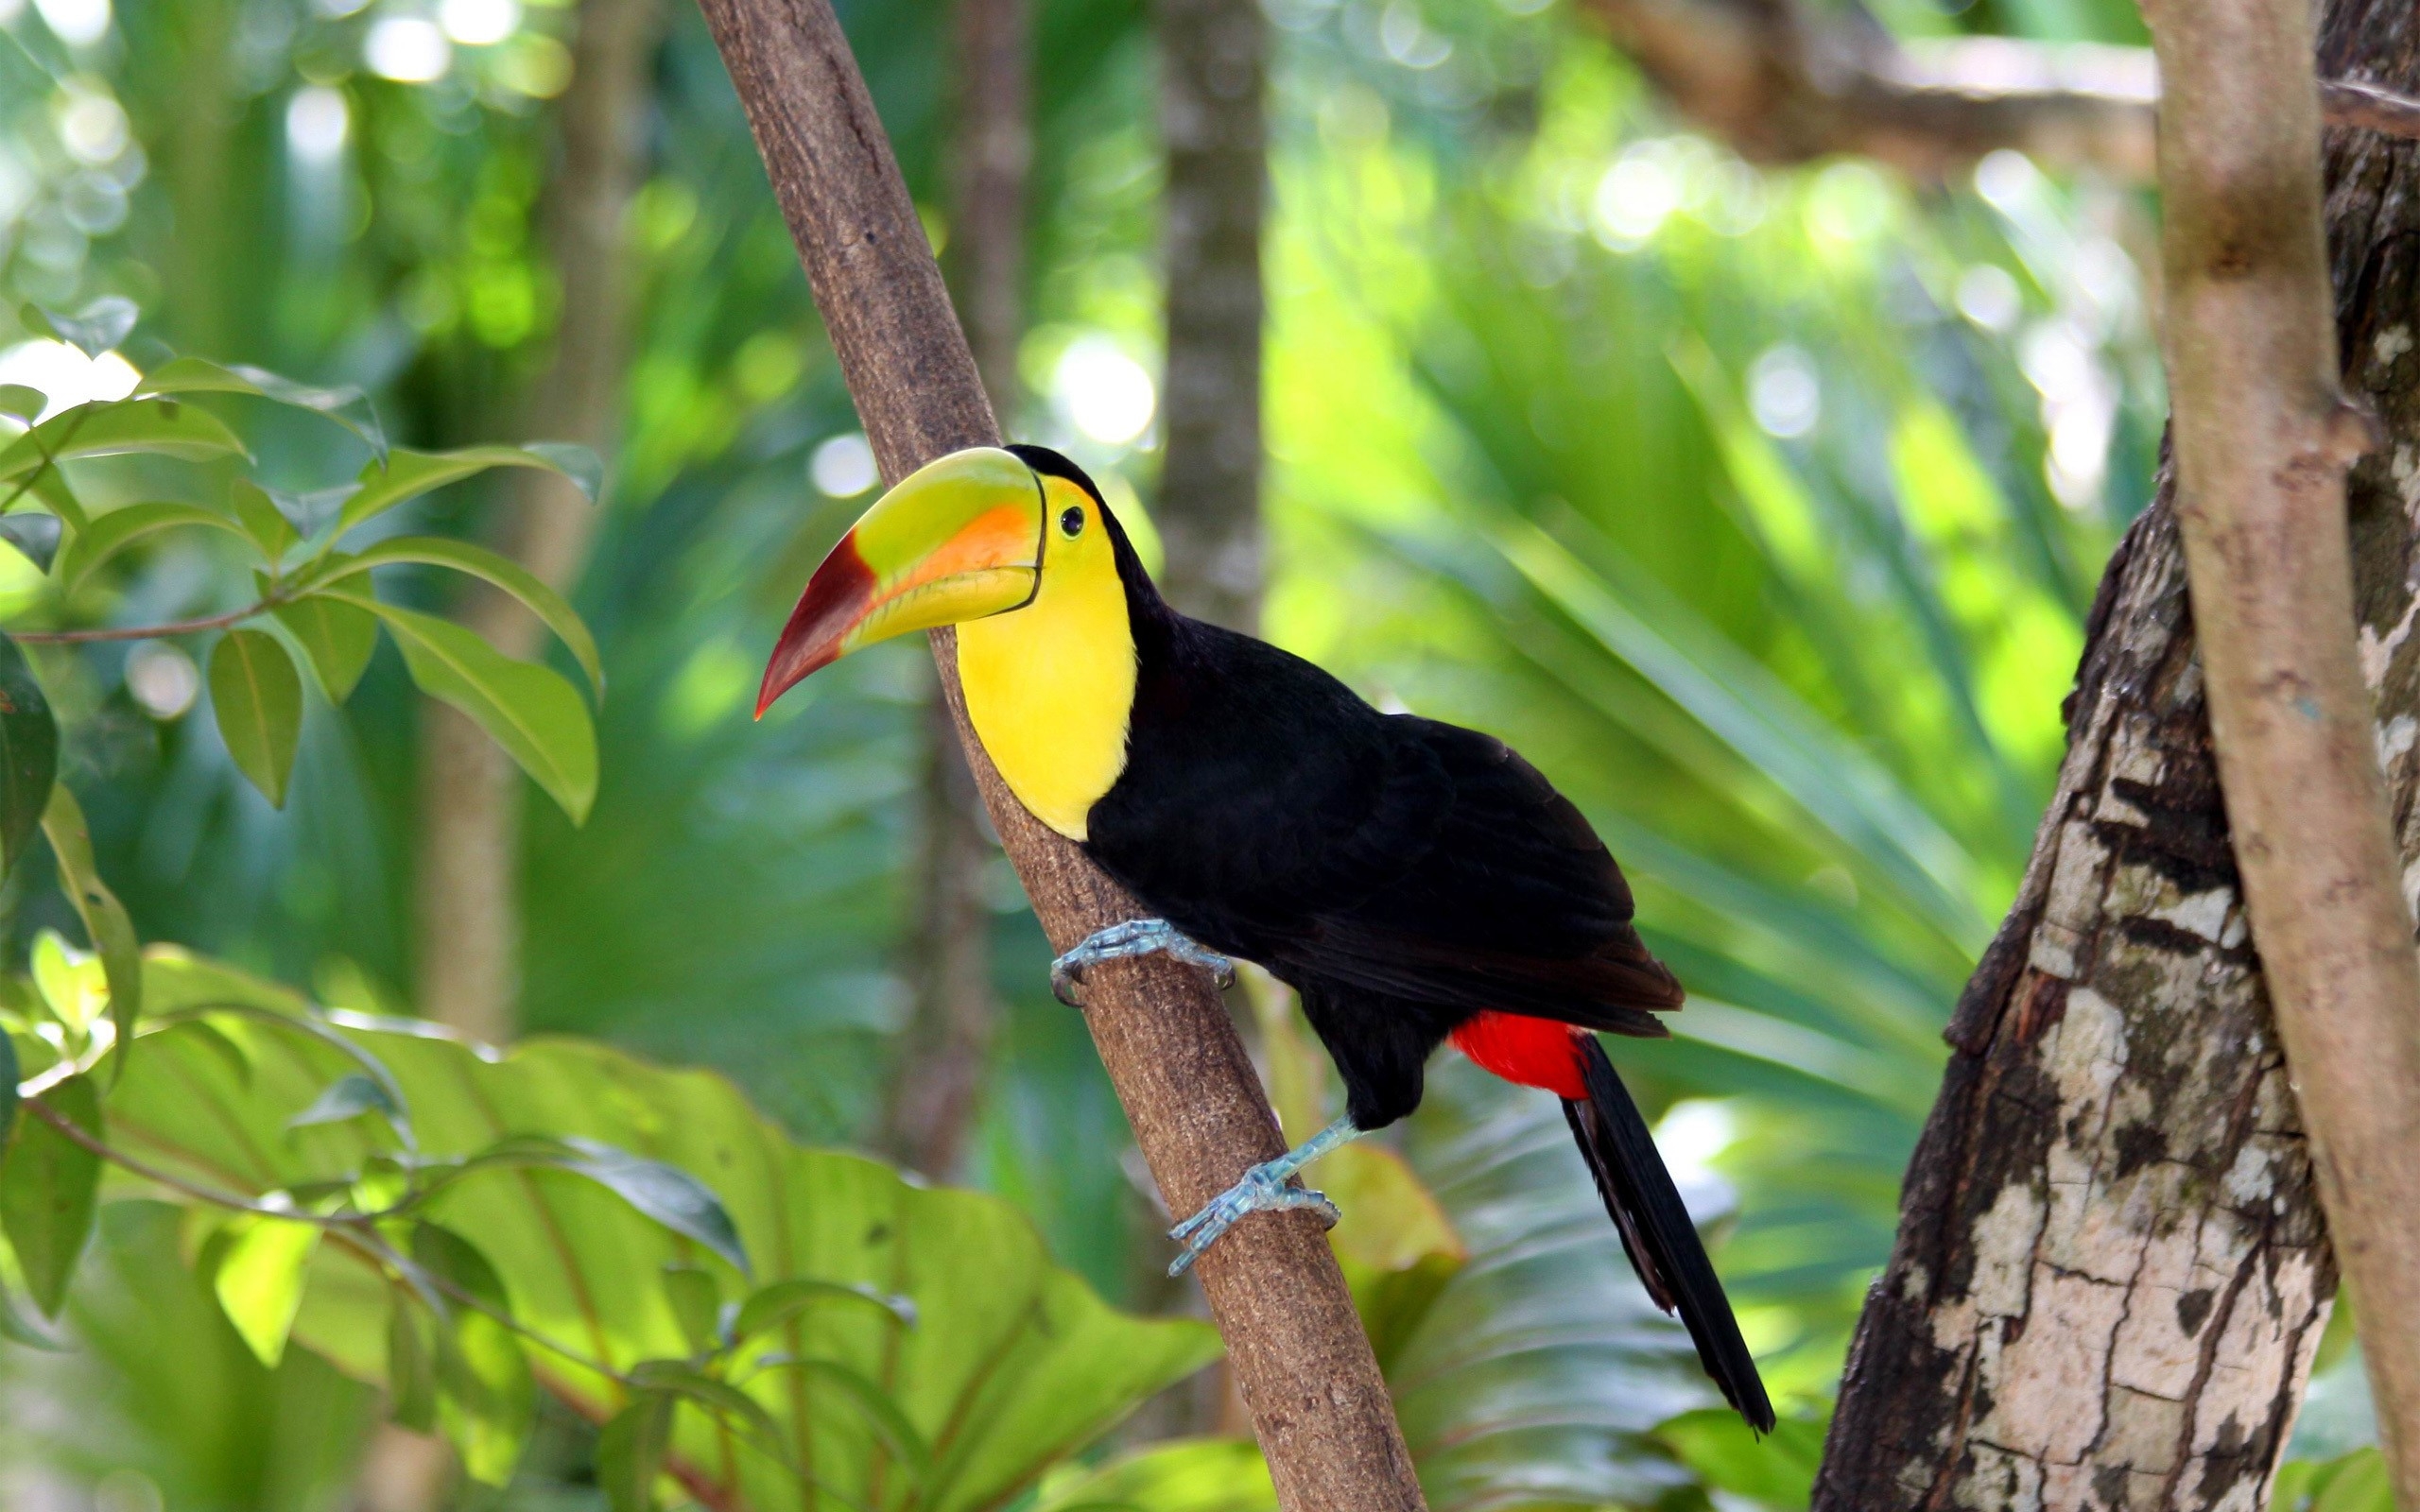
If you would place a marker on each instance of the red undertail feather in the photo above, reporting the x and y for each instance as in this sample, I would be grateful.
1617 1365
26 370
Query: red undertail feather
1530 1051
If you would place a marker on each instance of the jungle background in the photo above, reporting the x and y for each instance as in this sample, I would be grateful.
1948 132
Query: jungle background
1760 506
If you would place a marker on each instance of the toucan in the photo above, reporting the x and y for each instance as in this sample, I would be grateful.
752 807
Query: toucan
1413 881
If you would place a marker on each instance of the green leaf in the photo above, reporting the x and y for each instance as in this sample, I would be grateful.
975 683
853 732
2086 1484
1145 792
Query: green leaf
2357 1482
775 1305
1778 1471
487 1397
48 1184
697 1305
29 753
17 1328
257 696
579 465
110 427
723 1399
50 487
259 1280
666 1193
338 637
104 323
881 1413
345 405
262 521
407 475
482 563
34 536
1183 1475
22 401
348 1096
9 1074
629 1452
1015 1365
109 534
106 921
528 710
411 1365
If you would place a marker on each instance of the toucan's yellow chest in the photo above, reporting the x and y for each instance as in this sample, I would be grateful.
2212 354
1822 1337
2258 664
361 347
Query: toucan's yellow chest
1049 687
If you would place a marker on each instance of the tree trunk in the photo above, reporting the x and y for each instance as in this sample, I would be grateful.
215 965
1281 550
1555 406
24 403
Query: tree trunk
2112 1269
948 1043
1213 77
469 865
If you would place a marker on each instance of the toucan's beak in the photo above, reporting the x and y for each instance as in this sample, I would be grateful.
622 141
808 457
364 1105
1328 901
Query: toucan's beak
960 538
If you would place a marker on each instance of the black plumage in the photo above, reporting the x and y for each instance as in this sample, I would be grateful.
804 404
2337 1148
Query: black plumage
1404 876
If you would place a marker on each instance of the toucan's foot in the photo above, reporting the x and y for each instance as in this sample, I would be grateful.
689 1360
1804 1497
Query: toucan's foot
1137 937
1264 1188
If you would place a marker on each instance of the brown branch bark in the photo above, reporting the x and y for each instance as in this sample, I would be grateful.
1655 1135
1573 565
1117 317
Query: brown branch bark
468 879
948 1043
1214 62
1297 1348
2263 437
2111 1266
1781 86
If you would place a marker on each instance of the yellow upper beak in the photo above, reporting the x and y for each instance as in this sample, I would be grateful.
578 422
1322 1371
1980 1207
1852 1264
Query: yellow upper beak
958 540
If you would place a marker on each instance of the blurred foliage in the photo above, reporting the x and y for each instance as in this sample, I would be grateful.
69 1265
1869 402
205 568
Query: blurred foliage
1759 508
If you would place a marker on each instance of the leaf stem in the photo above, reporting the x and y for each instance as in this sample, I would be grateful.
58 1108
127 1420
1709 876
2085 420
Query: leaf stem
148 633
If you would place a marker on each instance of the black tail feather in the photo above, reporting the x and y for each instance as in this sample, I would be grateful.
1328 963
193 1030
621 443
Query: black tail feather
1655 1229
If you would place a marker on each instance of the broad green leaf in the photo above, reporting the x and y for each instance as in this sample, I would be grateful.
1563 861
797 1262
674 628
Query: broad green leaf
35 537
1177 1475
1775 1472
337 635
49 487
22 401
106 921
482 563
742 1413
259 1280
1012 1366
29 753
2357 1482
629 1452
775 1305
262 521
411 1365
407 475
103 325
345 405
666 1193
486 1397
110 427
349 1096
17 1328
48 1183
112 533
257 696
697 1304
579 465
882 1414
530 711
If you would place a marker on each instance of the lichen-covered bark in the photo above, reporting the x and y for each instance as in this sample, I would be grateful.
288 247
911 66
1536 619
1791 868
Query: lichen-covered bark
2112 1269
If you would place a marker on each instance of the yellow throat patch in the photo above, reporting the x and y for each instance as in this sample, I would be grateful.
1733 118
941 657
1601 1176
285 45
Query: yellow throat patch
1049 686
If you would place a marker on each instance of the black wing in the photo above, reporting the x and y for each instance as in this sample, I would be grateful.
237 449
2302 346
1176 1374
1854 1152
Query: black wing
1271 812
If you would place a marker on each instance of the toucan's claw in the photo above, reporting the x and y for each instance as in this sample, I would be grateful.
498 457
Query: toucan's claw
1264 1188
1137 937
1258 1192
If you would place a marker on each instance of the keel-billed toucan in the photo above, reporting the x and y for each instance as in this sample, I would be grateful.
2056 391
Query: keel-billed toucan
1413 881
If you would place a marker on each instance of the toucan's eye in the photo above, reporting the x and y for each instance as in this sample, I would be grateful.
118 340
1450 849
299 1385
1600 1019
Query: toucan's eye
1071 522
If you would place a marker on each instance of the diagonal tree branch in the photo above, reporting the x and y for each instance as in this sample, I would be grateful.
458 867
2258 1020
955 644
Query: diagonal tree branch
2263 437
1781 86
1294 1342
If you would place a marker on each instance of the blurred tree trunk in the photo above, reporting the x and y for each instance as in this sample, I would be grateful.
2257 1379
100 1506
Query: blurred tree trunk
469 865
1213 75
2112 1269
948 1044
